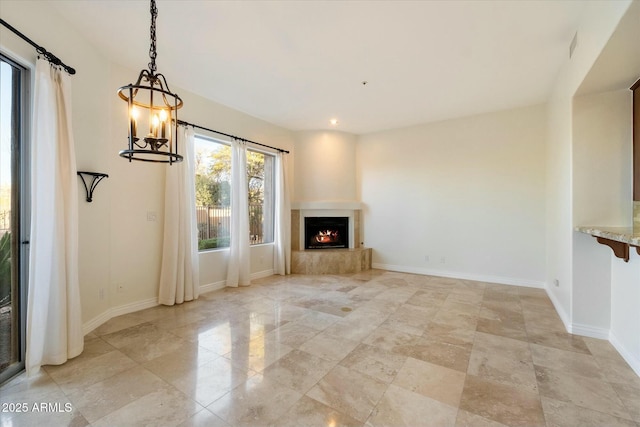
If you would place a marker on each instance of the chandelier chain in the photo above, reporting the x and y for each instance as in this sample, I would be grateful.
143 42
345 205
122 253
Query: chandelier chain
152 48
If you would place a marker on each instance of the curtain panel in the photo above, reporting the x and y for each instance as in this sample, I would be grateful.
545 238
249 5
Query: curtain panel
179 274
238 270
54 321
282 231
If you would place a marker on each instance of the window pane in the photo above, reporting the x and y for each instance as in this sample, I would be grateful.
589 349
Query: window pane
260 180
11 287
213 193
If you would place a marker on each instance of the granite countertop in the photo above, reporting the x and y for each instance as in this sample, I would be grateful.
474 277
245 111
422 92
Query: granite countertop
630 235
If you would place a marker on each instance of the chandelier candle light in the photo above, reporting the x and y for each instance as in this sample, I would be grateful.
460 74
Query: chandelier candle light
151 105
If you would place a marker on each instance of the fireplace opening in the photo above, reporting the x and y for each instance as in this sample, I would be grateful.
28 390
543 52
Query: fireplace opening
326 232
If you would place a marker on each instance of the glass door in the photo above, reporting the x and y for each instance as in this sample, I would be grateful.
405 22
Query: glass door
13 244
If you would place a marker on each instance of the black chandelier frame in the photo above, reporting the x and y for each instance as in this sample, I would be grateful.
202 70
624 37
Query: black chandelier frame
157 146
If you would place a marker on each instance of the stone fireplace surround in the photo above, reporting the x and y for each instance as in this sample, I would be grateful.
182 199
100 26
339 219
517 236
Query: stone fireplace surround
328 261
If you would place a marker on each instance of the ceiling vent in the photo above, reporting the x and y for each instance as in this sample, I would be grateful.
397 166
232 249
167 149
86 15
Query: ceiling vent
573 44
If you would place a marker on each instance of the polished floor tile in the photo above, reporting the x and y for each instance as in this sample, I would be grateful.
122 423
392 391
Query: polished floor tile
403 408
163 406
258 402
502 403
630 396
349 391
566 361
434 381
298 370
210 380
105 397
581 391
329 347
376 348
374 362
468 419
78 374
204 418
565 414
503 360
308 412
556 339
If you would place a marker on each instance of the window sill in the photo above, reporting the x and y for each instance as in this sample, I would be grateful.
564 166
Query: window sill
204 251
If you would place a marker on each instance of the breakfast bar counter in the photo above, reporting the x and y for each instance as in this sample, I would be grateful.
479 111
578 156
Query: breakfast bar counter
619 239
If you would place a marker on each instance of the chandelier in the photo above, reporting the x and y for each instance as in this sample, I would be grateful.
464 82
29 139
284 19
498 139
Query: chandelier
152 107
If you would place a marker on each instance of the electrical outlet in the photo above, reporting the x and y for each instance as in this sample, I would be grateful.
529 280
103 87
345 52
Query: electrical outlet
152 216
443 260
101 294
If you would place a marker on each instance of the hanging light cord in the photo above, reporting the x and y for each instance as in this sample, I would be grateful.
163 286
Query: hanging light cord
41 50
152 47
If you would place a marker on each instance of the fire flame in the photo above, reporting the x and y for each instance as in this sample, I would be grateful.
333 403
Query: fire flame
326 236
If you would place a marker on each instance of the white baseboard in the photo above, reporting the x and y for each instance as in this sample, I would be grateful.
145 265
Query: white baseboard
96 321
628 356
564 316
133 307
464 276
152 302
118 311
590 331
210 287
262 274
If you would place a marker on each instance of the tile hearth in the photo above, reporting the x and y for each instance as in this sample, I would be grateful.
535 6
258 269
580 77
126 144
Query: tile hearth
370 349
330 261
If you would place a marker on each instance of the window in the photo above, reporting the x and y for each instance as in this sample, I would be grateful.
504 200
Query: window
13 214
213 194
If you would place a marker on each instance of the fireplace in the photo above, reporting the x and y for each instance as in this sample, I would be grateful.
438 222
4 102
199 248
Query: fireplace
326 232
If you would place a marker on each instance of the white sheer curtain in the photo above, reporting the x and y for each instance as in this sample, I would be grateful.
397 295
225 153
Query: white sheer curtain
179 274
238 270
54 321
282 232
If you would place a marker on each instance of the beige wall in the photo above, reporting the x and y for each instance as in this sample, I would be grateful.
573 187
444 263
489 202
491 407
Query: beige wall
461 198
602 159
324 166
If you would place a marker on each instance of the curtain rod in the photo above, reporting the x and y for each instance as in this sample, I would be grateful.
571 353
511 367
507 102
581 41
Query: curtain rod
182 122
41 51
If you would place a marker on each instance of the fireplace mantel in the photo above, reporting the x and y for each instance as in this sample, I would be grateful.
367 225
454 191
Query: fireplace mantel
328 204
297 223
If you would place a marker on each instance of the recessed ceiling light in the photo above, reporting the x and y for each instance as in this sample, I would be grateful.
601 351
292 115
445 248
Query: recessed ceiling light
333 122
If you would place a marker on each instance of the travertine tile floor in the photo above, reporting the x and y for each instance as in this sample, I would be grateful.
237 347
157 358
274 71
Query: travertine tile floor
371 349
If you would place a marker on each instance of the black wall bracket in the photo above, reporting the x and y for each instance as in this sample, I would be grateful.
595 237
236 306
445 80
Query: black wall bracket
96 178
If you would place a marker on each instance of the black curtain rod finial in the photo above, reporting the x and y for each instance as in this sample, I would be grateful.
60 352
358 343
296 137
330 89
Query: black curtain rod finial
39 49
55 60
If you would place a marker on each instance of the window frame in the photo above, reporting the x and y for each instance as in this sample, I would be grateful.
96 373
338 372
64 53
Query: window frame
272 154
21 185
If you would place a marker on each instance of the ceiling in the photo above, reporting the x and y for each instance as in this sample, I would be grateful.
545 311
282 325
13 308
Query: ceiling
618 65
298 64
